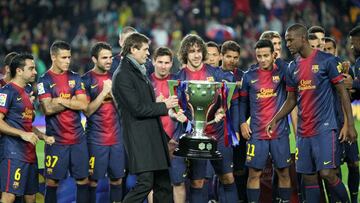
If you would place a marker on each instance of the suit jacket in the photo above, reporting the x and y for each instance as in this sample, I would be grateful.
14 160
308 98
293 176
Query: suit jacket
145 140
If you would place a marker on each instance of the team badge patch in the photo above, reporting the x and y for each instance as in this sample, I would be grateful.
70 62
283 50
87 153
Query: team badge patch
41 89
3 98
71 83
315 68
276 79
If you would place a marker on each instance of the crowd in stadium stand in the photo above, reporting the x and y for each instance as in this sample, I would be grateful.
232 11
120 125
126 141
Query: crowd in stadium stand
32 25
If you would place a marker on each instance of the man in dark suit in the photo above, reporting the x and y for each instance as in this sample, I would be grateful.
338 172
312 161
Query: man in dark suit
145 140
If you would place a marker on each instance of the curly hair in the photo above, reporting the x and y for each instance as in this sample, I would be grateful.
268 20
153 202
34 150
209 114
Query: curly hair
189 41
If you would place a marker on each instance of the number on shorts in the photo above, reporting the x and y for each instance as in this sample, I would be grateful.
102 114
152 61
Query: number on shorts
17 175
296 153
92 162
51 161
251 150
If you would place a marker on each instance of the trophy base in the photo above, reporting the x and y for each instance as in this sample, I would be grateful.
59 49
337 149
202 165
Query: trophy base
194 148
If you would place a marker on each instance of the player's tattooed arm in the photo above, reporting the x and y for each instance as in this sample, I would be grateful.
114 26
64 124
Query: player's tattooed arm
78 102
51 106
48 139
7 130
96 103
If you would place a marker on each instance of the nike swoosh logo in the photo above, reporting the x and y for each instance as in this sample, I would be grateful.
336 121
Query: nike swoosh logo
288 160
52 85
253 81
93 86
296 72
18 98
327 162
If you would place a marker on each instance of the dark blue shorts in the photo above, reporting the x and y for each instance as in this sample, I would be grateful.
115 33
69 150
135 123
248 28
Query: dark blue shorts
178 172
224 165
258 151
350 152
106 160
19 177
61 159
318 152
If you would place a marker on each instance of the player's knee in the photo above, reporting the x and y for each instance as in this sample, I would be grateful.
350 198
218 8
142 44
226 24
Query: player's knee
115 181
52 182
82 181
7 197
227 178
283 174
329 175
92 183
310 179
30 198
197 183
254 175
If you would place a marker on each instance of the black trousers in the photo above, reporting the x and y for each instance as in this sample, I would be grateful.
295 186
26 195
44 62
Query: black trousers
158 181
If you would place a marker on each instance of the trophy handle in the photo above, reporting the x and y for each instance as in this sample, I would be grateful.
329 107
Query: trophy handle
231 86
173 84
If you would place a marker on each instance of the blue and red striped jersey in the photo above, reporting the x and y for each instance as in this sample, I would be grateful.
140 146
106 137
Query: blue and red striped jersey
65 126
19 113
312 78
103 126
264 92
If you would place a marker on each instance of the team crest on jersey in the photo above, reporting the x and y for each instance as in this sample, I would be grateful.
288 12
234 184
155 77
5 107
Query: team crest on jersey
315 68
3 98
210 79
41 89
71 83
15 184
276 79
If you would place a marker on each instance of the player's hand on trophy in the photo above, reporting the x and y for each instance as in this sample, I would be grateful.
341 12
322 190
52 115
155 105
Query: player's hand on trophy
245 131
172 146
29 137
32 97
171 102
220 114
160 98
179 116
49 139
348 81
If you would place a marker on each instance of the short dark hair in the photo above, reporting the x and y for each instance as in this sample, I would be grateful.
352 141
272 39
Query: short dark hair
135 40
316 28
19 62
213 44
59 45
9 57
300 29
186 43
312 36
270 34
264 43
355 32
230 46
330 39
95 50
163 51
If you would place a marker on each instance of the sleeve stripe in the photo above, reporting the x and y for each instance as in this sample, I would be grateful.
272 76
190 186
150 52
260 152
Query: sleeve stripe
236 95
243 94
43 96
290 89
3 110
337 79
